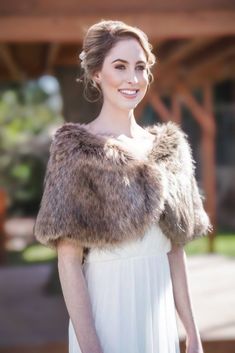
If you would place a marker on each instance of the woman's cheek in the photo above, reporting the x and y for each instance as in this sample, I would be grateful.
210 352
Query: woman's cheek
143 78
113 79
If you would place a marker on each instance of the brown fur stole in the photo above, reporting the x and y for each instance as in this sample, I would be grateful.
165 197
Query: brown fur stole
99 195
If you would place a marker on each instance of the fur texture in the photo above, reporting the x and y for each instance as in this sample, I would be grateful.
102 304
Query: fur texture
99 195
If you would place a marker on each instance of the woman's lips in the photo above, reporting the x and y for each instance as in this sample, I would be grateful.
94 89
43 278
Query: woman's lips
129 93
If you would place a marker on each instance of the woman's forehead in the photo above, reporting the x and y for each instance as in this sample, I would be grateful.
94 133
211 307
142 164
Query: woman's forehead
128 49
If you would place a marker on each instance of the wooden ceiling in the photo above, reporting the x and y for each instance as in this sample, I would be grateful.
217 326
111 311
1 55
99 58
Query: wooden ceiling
194 40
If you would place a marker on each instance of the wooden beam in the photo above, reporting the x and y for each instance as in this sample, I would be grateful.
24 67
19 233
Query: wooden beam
10 63
176 108
159 107
201 68
157 43
157 25
53 51
182 52
165 114
74 7
68 59
200 114
196 69
222 72
208 98
216 73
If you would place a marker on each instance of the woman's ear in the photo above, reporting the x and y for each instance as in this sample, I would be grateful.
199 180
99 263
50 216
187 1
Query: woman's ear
96 77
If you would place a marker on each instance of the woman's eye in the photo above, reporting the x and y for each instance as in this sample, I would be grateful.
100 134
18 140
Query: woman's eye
141 67
120 67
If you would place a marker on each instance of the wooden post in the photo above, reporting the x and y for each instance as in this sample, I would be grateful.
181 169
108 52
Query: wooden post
208 173
176 109
205 118
159 106
209 163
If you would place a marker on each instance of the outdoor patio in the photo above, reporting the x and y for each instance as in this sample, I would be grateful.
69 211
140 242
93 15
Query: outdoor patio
33 322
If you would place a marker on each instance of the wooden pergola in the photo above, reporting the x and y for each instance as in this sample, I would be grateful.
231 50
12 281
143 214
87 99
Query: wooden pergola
194 42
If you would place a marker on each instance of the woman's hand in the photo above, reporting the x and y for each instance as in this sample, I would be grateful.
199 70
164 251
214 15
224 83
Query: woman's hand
179 274
194 344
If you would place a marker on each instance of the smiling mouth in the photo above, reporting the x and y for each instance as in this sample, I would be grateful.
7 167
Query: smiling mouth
129 92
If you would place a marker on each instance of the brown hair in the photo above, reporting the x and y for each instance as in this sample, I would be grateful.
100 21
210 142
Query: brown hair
98 41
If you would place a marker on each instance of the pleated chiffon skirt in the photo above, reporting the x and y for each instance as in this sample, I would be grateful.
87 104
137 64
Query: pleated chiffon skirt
131 295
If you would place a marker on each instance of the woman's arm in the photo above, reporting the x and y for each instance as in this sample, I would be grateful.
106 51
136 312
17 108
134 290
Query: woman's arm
181 291
76 295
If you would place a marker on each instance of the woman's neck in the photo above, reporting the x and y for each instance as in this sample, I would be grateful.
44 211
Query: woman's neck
115 122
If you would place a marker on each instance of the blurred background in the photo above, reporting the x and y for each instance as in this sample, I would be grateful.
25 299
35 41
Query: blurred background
194 42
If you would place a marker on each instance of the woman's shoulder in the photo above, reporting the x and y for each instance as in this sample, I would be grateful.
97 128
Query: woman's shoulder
71 134
169 144
66 130
171 141
169 129
72 141
64 142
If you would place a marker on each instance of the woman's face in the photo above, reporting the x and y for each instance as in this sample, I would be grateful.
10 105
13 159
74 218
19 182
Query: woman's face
124 77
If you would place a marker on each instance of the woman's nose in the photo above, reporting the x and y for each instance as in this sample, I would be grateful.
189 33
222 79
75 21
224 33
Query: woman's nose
132 77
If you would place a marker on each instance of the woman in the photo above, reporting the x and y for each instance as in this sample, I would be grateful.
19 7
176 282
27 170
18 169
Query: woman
120 202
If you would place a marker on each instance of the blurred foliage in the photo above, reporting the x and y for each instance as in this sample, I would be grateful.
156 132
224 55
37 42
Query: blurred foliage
31 255
224 245
26 118
37 253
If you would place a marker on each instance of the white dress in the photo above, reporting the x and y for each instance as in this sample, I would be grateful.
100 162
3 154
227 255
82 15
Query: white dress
131 296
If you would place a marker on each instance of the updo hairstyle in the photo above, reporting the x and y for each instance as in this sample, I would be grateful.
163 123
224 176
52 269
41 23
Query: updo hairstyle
98 41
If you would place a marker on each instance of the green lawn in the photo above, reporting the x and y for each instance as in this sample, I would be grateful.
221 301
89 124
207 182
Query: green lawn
32 254
36 253
224 245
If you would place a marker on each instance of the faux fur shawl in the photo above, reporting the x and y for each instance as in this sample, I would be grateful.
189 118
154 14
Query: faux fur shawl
99 194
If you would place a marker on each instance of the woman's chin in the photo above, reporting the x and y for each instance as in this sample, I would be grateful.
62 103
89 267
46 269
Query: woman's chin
131 105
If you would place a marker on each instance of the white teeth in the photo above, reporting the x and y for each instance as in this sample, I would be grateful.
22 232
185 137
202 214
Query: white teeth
130 92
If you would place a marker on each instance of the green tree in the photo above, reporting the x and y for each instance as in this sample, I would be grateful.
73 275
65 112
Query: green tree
28 114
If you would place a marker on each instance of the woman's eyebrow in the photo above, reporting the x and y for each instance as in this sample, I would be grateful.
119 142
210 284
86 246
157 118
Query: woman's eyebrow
126 62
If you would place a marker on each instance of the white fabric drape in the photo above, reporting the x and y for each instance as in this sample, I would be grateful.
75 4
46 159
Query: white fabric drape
131 294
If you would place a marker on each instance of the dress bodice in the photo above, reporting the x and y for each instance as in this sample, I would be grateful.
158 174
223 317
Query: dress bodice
153 243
